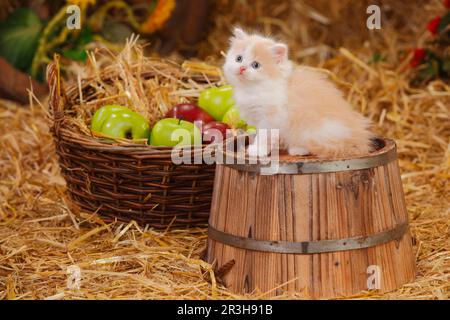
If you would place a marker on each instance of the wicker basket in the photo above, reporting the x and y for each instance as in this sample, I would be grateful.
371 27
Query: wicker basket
126 182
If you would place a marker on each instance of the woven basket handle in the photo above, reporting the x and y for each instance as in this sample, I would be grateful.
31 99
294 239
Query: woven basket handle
56 95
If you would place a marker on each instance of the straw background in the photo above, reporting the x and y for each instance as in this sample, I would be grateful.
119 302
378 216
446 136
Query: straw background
40 236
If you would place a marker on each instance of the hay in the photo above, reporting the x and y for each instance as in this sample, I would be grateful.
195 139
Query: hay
40 237
110 78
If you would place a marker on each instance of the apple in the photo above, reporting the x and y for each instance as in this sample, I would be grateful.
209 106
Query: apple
120 122
233 119
215 131
190 112
216 101
170 132
251 129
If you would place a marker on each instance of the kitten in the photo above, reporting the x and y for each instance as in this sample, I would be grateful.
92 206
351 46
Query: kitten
271 93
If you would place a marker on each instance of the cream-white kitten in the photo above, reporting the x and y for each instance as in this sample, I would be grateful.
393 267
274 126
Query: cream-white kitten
272 93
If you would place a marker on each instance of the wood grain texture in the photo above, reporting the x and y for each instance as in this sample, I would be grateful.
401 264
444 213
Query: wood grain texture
310 207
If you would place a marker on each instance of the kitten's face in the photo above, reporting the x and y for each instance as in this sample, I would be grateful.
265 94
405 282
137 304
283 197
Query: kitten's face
253 59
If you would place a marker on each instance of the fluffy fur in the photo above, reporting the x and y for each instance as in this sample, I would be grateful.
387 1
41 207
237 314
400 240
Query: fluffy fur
271 93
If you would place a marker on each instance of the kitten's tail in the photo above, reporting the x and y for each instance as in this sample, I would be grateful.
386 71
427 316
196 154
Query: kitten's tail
376 143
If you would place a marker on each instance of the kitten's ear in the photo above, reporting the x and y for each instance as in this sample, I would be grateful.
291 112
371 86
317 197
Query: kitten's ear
280 51
239 34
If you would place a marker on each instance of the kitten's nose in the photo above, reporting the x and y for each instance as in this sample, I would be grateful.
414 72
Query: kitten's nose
242 69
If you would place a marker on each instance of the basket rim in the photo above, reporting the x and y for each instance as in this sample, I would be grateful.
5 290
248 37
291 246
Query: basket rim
65 131
101 144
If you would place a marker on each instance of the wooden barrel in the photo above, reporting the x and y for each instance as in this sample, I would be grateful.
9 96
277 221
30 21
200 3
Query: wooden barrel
318 228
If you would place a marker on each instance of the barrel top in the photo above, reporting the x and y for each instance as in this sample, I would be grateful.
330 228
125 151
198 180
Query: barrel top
286 164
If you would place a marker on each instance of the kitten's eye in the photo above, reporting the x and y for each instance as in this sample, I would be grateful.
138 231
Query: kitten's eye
256 65
239 58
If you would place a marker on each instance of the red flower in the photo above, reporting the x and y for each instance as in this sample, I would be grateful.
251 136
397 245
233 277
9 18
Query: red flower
433 25
447 4
418 57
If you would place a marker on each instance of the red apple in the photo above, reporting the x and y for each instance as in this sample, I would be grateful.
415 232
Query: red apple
214 131
190 112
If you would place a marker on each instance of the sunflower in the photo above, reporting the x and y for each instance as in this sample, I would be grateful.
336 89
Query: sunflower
158 16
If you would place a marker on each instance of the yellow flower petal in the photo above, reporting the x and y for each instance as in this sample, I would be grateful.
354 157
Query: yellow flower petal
158 17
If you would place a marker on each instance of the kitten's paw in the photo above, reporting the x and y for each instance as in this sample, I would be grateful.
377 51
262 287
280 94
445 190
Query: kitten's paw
298 151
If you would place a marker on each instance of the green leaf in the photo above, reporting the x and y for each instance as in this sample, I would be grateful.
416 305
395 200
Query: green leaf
19 37
77 54
86 36
445 21
76 50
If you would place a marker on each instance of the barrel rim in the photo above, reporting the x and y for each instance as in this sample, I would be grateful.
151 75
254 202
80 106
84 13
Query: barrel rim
308 165
309 247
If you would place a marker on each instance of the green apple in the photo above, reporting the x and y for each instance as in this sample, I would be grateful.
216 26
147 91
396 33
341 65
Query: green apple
216 101
233 119
170 132
120 122
251 129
